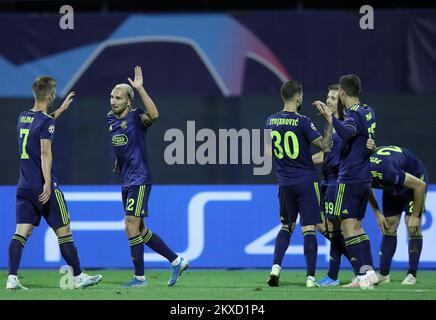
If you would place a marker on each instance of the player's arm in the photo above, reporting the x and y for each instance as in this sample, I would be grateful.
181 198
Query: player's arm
418 186
64 106
318 158
346 129
381 220
325 142
152 114
46 163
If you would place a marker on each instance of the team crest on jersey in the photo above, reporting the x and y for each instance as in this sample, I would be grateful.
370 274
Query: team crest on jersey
119 140
123 124
51 129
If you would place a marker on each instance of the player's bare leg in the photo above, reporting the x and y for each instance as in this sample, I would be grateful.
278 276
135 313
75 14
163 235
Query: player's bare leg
22 233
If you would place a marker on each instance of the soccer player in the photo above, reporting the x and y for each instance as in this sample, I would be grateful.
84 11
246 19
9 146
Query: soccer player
354 178
292 135
127 129
38 192
403 179
330 168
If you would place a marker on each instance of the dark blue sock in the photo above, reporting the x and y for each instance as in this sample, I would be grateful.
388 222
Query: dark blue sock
387 251
137 253
310 252
415 248
366 250
354 252
15 250
69 253
336 246
155 243
281 245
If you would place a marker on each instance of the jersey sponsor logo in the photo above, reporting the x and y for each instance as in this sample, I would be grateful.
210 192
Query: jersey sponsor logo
51 129
119 140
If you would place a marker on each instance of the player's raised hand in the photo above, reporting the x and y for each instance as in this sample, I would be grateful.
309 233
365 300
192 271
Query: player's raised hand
46 192
323 110
138 81
64 106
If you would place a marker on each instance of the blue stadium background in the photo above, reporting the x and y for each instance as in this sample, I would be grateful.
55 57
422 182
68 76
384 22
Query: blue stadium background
220 70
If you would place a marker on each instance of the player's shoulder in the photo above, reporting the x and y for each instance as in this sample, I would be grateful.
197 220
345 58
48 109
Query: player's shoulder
136 110
303 117
47 116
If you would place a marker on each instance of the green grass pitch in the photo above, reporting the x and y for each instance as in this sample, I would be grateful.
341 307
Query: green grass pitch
215 285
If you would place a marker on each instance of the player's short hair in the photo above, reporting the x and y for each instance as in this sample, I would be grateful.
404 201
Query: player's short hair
43 87
350 83
127 88
290 89
334 87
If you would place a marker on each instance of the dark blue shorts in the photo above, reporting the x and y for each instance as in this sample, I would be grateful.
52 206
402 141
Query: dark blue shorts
29 210
303 198
328 200
351 200
135 200
396 204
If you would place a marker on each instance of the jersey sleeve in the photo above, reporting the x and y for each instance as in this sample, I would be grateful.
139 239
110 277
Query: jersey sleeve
352 121
310 130
138 115
47 129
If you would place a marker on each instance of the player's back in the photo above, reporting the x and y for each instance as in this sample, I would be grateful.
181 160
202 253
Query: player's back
31 128
292 135
355 156
389 165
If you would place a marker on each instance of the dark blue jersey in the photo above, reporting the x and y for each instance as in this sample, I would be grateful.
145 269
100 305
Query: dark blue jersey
358 124
128 137
389 166
292 135
31 128
332 160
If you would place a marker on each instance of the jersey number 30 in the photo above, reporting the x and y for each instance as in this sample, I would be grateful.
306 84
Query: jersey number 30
288 138
24 134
